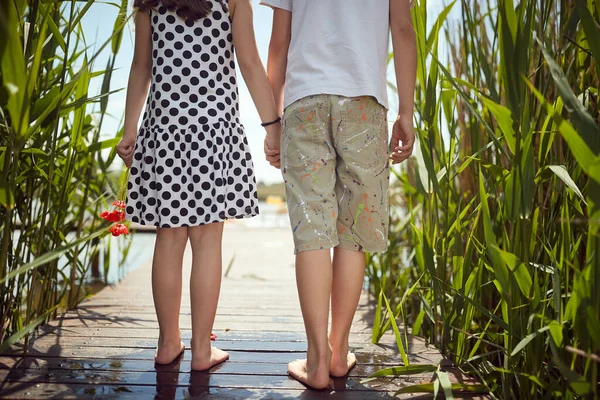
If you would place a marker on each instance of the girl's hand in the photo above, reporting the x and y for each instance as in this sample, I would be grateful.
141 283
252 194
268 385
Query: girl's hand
403 131
272 144
125 149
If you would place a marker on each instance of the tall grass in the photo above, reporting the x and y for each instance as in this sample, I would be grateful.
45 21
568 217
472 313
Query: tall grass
494 240
54 176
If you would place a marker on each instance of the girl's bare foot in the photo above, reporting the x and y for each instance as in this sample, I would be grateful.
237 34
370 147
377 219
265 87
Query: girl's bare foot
207 361
314 376
341 364
166 353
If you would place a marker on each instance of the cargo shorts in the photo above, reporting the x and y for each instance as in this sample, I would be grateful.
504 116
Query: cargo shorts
334 161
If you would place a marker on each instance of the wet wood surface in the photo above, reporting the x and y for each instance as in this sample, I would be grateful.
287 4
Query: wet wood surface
105 347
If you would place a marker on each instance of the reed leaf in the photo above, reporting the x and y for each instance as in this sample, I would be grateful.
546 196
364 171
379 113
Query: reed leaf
506 239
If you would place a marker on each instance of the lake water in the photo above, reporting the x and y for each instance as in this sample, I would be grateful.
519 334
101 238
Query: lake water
142 246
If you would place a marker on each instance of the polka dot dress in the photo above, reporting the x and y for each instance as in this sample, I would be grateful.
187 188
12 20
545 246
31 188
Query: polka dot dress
192 164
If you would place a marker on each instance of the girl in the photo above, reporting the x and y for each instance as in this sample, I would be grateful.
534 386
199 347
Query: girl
190 164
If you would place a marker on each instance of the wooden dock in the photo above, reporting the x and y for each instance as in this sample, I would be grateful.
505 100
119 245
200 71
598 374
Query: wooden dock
105 347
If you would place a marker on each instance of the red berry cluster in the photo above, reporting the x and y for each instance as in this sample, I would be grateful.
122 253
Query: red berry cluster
119 204
113 216
117 216
119 229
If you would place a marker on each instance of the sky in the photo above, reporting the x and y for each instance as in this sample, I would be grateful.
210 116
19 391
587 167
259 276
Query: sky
98 24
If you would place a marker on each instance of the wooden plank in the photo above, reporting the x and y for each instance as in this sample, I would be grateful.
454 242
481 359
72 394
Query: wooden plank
85 391
174 377
76 319
50 340
248 368
185 324
236 356
388 340
117 310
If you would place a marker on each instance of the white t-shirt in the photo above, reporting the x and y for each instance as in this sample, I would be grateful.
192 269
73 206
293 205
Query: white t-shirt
337 47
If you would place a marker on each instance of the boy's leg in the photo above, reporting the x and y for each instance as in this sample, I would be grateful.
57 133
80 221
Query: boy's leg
362 191
348 278
167 267
313 278
205 286
308 166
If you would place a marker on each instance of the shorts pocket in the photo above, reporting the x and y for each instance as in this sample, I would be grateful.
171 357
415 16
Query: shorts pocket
300 139
364 133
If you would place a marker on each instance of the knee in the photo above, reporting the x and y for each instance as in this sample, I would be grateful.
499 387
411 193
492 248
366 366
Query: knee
172 235
206 233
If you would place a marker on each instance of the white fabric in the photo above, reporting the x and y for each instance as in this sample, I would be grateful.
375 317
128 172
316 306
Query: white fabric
337 49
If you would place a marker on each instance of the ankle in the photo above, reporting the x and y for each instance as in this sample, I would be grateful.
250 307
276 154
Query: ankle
319 356
340 350
171 340
201 346
339 346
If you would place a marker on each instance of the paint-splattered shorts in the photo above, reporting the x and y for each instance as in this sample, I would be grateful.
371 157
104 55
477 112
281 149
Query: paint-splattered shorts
336 171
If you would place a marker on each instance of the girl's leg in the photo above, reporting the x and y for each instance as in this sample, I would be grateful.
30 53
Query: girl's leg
205 285
348 277
166 289
313 277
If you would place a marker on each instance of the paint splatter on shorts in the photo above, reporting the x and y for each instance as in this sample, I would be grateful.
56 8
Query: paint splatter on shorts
336 172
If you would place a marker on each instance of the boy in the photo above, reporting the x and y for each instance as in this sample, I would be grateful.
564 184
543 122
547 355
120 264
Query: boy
332 57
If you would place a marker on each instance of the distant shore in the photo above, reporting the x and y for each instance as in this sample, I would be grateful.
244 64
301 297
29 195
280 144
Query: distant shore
272 190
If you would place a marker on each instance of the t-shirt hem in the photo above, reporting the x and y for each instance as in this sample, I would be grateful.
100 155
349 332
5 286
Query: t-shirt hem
282 4
291 98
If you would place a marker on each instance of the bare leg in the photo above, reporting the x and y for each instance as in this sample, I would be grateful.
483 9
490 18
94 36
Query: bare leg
348 277
313 277
166 289
205 286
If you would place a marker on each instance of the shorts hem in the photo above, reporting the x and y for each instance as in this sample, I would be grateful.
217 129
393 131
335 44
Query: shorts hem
365 248
341 243
311 245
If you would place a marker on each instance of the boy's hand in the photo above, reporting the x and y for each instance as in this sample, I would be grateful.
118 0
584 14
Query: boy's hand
403 131
125 149
272 143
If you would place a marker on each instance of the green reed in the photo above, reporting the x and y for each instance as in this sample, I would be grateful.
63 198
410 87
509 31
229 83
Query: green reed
495 226
54 176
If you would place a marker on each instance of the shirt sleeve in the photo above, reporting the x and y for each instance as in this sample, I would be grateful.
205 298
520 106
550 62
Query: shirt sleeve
283 4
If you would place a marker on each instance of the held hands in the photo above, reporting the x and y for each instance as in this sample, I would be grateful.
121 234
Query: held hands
403 131
125 149
272 143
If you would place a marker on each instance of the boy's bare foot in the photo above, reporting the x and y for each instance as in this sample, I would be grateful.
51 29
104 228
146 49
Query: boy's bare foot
341 364
315 378
205 362
166 353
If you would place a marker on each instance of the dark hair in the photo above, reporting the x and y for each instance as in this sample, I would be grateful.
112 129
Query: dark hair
187 9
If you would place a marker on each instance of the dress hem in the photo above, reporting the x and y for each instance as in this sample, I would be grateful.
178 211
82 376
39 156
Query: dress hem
237 216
